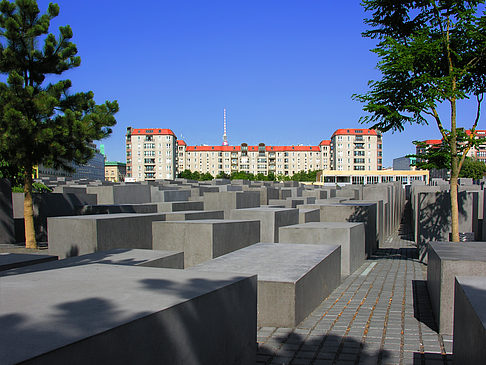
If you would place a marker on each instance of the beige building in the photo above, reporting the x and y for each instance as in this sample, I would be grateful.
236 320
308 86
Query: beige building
156 154
151 154
357 150
261 159
115 171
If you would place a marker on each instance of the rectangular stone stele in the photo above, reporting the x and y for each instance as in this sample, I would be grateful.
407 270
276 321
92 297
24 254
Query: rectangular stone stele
194 215
292 279
10 261
309 215
350 236
117 256
445 261
271 219
114 314
469 320
202 240
79 235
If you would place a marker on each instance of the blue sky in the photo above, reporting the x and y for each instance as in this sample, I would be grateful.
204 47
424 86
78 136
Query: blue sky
285 70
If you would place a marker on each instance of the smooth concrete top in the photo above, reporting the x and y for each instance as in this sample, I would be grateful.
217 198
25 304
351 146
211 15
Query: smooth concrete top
15 260
110 216
43 311
264 209
208 221
270 261
117 256
475 289
321 225
460 251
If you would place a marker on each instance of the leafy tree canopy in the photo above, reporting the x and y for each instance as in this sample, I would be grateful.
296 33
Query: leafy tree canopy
472 168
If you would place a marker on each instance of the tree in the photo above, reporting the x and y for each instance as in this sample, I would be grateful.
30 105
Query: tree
222 175
472 168
432 53
40 122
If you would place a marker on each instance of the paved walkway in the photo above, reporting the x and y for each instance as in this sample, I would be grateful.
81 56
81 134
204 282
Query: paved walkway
379 315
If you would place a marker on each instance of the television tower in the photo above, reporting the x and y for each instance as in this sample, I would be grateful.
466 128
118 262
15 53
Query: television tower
225 138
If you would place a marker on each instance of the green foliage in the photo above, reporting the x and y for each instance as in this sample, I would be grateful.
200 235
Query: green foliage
472 168
222 175
305 176
188 174
430 52
432 157
40 122
242 175
36 188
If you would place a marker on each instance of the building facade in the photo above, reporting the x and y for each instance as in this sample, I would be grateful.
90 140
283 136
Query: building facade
157 154
151 154
94 169
115 171
357 150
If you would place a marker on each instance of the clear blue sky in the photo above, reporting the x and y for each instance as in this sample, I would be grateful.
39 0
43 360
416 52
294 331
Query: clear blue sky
285 70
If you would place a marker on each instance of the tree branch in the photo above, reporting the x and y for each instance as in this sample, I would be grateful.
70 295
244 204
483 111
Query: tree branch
439 125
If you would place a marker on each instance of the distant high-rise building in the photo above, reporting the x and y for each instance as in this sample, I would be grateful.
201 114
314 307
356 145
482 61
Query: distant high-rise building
151 154
357 149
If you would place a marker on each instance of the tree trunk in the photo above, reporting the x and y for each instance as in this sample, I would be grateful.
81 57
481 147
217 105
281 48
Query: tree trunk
454 210
454 174
30 241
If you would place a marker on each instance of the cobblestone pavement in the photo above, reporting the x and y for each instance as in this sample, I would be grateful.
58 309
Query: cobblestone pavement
380 314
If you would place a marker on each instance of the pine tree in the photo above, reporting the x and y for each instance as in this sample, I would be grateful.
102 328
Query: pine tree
41 122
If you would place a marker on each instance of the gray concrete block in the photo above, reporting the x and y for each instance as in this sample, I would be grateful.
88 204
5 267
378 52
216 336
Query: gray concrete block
114 314
350 236
7 225
157 194
10 261
469 320
271 219
352 212
202 240
229 200
194 215
117 256
292 279
445 261
179 206
79 235
434 215
309 215
121 194
118 208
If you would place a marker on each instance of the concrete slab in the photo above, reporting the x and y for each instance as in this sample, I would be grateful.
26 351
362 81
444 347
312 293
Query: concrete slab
229 200
350 236
179 206
15 260
108 314
202 240
445 261
79 235
271 219
194 215
292 279
309 215
469 320
118 256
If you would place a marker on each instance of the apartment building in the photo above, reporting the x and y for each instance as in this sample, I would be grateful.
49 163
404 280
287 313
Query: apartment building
157 154
357 150
151 154
115 171
478 153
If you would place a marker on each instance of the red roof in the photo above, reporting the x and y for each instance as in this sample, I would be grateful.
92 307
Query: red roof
213 148
153 131
355 132
252 148
325 142
433 141
180 142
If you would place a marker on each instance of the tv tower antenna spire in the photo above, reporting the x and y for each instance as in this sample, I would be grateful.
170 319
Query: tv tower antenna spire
225 138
